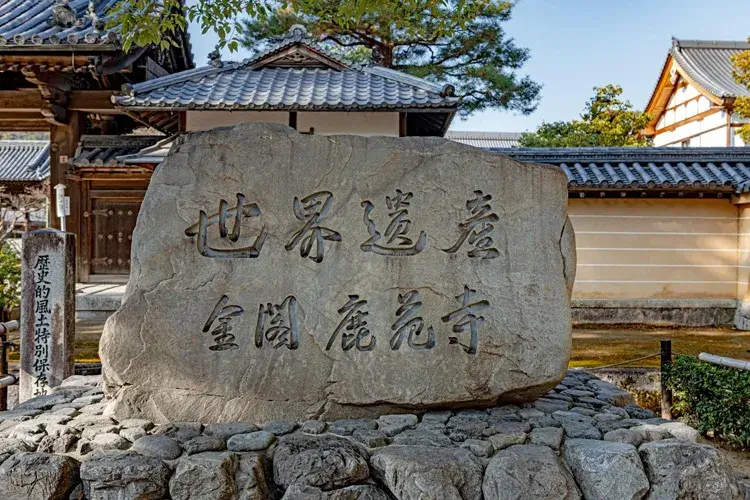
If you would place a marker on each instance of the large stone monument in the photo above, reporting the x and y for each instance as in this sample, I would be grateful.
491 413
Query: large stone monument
280 275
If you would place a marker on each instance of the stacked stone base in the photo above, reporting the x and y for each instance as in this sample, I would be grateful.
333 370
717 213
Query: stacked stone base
585 439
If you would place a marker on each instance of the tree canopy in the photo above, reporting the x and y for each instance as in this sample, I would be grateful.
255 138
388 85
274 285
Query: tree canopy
607 120
461 43
742 104
147 22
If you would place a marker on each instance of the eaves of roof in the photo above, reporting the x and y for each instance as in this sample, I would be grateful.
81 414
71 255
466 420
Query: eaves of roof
705 169
242 88
26 25
24 161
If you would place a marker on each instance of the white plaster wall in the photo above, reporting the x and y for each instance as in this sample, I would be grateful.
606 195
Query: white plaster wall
205 120
711 131
356 123
659 248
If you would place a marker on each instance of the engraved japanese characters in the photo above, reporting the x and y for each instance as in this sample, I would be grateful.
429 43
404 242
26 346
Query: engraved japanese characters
340 276
47 311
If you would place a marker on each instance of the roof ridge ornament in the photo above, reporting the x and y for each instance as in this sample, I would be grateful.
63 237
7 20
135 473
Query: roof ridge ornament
297 32
64 16
214 58
96 23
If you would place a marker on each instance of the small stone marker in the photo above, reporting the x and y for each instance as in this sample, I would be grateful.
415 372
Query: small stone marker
47 311
286 276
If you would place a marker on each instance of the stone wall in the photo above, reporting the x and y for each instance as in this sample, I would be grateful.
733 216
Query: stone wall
584 439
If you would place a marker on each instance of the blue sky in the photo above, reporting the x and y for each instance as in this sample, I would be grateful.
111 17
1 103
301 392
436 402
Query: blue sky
578 44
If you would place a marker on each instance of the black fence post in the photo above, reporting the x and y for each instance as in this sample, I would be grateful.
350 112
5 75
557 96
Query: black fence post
3 365
666 392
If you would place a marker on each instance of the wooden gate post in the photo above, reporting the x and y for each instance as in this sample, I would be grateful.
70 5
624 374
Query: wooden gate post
48 281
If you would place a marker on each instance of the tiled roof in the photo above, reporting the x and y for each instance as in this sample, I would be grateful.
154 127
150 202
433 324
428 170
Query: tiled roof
258 83
486 139
30 23
287 88
722 169
709 65
104 150
24 161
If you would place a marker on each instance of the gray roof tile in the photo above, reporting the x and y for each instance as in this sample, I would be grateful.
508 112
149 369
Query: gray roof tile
105 150
24 161
28 22
250 85
723 169
486 139
709 65
286 88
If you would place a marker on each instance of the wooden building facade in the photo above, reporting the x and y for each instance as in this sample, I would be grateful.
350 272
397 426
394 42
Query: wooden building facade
693 102
59 69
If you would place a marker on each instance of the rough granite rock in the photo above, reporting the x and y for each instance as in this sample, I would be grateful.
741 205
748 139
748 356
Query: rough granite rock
605 470
280 427
326 462
121 475
479 447
356 492
547 436
226 430
204 443
346 427
37 476
678 469
371 439
395 424
422 438
220 476
528 472
160 446
314 427
681 431
173 374
424 472
252 441
624 436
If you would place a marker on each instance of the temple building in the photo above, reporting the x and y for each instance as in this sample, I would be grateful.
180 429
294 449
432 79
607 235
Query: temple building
59 68
693 102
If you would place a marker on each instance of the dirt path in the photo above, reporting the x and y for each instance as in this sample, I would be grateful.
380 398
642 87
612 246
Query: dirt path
599 346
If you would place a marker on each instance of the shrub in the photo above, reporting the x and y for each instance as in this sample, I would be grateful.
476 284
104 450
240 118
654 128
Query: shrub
713 398
10 280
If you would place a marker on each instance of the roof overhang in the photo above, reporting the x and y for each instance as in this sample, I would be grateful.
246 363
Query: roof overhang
668 79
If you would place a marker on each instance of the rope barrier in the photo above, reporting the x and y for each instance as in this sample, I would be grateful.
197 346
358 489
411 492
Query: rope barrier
624 362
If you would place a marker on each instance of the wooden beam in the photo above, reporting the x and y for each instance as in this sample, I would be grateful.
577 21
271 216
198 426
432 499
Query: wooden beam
20 100
683 103
402 124
30 126
693 118
693 136
63 143
93 101
21 116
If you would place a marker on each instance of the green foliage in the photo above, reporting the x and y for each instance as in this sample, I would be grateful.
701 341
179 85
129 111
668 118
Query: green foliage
742 104
10 279
156 22
461 43
606 120
712 397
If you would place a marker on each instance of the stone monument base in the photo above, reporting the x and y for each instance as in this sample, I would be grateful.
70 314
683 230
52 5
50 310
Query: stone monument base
584 439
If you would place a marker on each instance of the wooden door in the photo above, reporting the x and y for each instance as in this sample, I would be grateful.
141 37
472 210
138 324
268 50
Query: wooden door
112 222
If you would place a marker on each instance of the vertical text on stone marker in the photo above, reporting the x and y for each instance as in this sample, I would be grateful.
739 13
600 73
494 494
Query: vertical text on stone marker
42 334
